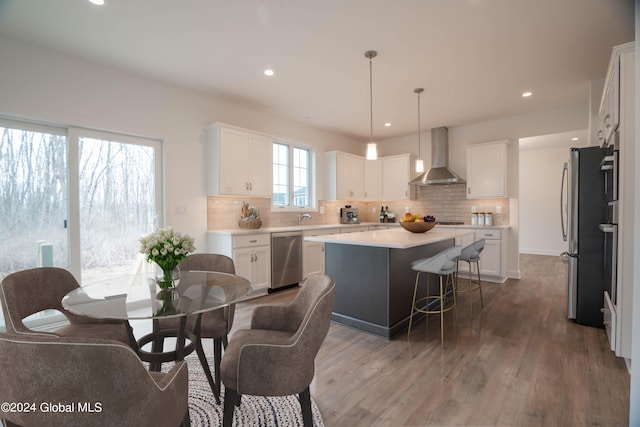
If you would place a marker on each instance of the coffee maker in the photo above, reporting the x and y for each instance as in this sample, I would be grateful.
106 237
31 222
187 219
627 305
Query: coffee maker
349 215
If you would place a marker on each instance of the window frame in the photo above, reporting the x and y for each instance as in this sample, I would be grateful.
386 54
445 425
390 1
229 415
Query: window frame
312 207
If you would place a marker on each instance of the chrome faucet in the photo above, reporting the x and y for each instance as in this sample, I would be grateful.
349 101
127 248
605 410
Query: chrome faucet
303 216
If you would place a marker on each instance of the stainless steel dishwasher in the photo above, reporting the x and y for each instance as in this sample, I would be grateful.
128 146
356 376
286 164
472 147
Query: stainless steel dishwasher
286 260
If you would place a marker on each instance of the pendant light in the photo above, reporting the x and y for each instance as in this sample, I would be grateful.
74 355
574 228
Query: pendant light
419 162
372 147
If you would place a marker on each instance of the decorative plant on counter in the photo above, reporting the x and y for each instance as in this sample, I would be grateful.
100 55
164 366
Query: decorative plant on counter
166 248
250 217
249 213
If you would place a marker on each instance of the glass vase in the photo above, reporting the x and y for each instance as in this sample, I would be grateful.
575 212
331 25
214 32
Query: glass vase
166 299
168 278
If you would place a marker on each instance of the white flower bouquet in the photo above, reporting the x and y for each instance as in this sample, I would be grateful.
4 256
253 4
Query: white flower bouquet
166 248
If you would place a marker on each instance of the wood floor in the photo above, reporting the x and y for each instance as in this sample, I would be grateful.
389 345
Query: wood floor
518 362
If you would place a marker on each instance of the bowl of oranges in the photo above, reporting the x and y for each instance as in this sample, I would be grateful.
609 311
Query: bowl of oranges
416 223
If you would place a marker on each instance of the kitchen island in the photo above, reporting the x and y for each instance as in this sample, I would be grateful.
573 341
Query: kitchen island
373 275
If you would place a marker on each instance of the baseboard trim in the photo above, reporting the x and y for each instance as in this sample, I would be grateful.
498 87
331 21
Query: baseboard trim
539 252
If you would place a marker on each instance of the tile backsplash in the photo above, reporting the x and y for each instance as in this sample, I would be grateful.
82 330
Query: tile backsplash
445 202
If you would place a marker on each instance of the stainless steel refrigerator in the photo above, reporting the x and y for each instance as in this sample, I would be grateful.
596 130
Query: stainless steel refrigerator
583 205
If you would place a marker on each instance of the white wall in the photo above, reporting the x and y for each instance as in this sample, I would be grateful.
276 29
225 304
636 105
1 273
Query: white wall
540 175
43 85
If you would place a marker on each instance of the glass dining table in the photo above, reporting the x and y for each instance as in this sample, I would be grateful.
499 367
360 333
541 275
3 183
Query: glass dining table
137 297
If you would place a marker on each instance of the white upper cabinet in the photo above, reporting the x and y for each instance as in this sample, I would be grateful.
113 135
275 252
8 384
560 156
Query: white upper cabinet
396 174
373 179
240 162
487 170
609 112
345 176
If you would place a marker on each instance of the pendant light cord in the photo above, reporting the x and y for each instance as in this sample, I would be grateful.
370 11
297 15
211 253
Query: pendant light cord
371 95
419 155
371 54
419 91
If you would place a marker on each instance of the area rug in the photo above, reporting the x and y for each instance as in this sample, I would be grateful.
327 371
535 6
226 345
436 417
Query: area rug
253 411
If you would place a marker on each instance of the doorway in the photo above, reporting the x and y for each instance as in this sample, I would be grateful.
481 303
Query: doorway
541 160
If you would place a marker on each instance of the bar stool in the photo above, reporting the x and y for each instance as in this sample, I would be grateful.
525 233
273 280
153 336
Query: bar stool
444 265
471 255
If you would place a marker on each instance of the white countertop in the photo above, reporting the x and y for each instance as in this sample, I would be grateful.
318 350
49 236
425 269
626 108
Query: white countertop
241 231
397 238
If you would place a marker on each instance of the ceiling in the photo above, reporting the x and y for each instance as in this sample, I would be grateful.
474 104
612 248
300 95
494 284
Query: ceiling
474 58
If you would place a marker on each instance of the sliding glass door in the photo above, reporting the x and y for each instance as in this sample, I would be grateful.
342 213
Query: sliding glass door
33 197
119 195
76 198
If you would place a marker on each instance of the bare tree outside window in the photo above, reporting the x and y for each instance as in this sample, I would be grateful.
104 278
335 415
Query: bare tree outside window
116 192
117 204
33 198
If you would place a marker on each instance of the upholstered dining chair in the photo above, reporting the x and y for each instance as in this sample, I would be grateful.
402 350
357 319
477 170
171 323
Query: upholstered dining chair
27 292
214 324
276 356
57 381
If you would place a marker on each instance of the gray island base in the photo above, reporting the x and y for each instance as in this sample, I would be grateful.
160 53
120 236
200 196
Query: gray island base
373 275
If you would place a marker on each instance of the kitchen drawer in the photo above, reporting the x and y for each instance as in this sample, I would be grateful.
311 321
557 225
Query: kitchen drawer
321 232
248 240
488 234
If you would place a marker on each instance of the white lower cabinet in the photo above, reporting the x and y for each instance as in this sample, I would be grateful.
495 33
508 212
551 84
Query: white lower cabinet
466 240
251 254
312 258
491 262
491 256
313 252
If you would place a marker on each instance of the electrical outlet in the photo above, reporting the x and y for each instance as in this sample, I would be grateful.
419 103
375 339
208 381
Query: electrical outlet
499 209
321 210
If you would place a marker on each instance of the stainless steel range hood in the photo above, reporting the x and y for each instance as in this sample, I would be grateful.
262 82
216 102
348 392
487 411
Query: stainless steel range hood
439 173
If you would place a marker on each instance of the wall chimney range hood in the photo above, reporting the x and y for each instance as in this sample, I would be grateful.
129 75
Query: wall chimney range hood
439 173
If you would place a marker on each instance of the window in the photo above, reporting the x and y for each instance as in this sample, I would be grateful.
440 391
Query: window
292 176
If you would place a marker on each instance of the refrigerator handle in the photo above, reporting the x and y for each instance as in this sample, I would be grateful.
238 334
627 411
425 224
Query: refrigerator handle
565 175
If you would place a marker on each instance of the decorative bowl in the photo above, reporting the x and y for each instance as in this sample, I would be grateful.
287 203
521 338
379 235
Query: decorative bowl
418 227
250 224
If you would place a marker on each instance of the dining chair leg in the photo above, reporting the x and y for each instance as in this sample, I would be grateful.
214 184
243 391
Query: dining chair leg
230 398
217 357
186 421
305 405
207 370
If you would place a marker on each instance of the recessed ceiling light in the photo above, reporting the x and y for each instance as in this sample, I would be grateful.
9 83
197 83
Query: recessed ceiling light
575 138
387 124
97 2
526 94
268 72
